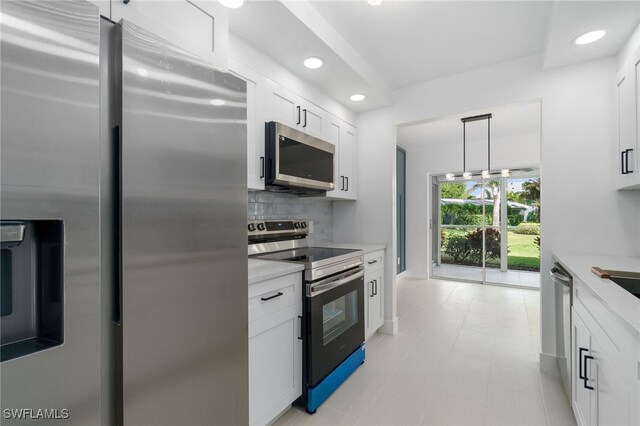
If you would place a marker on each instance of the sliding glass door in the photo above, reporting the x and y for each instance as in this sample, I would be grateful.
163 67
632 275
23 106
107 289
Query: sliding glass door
485 228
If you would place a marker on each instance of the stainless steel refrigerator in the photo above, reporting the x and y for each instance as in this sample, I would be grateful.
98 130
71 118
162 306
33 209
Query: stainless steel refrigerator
124 165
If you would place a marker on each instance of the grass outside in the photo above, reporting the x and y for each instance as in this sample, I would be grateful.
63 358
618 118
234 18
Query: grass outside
523 253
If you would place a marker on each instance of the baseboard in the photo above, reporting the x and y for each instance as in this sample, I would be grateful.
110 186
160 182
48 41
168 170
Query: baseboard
389 327
548 364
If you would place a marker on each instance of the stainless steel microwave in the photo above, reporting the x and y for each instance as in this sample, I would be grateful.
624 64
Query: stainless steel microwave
297 162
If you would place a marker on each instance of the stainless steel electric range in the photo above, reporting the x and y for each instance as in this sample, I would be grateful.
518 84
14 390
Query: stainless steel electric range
333 305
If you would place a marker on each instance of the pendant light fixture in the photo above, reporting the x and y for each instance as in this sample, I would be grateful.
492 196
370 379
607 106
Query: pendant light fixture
486 174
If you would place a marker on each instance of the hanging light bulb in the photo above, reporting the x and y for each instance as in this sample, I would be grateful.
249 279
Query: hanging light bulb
486 174
505 173
449 176
466 175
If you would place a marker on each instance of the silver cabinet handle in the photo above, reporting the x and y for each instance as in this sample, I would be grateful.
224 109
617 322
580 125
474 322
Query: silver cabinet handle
562 278
371 262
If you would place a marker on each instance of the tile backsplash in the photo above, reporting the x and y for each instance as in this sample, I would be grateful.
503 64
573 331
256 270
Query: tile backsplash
271 205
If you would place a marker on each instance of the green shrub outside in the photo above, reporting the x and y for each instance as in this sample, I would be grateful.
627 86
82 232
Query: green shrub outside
515 219
527 229
457 247
471 214
466 247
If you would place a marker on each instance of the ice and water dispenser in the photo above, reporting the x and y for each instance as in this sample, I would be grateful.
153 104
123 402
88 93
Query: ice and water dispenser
31 286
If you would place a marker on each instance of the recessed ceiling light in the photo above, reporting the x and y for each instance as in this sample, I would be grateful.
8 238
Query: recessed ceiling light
375 2
590 37
357 97
217 102
142 72
232 4
313 62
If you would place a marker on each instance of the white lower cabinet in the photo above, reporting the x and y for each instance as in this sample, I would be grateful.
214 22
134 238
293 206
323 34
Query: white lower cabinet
374 292
602 391
275 347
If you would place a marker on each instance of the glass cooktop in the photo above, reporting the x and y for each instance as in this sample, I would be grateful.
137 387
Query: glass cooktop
308 255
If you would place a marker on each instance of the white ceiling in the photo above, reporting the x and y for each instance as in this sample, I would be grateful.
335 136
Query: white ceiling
507 122
571 19
276 32
376 49
414 41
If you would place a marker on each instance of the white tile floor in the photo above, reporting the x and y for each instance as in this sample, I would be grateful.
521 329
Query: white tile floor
465 354
518 278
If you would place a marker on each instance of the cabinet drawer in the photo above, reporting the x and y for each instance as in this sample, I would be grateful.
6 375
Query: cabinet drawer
270 296
374 261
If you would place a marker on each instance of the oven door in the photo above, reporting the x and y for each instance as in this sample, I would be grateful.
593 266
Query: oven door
299 160
335 313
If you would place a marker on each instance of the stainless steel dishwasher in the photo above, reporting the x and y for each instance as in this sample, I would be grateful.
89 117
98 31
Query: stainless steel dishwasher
564 300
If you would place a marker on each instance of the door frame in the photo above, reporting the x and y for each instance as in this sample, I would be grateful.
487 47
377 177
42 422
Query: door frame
434 235
401 211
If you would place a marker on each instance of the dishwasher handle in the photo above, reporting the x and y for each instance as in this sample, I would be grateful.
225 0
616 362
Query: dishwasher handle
556 275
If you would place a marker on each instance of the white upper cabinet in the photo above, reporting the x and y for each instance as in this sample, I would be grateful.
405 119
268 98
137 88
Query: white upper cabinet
200 27
343 136
255 123
286 107
628 124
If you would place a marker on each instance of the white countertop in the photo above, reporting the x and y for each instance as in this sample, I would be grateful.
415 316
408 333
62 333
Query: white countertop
262 270
617 300
367 248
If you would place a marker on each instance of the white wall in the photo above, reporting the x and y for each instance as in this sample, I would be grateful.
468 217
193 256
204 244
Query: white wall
582 211
630 46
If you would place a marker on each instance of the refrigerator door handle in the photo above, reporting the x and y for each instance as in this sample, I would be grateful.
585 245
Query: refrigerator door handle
117 223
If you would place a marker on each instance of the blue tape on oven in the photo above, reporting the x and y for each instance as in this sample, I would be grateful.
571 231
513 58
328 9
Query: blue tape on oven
323 390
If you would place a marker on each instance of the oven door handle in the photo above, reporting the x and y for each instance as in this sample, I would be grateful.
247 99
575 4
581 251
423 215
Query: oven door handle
331 283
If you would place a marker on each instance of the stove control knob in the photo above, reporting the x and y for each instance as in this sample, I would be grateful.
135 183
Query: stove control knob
304 225
252 227
296 225
261 227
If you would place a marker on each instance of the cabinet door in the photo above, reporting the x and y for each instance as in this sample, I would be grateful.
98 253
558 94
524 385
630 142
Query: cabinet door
347 159
635 155
374 317
334 136
377 307
282 105
610 403
313 120
275 364
343 136
581 346
255 123
626 124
